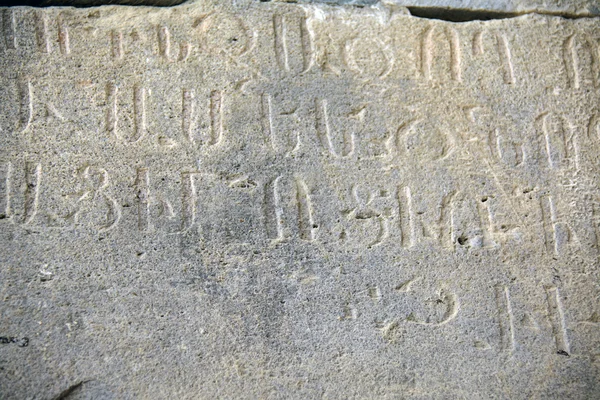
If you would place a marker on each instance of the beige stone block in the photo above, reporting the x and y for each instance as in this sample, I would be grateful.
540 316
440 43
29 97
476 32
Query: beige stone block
297 201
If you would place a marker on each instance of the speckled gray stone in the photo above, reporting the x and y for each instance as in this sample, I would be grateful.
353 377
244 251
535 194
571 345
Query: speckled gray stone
297 201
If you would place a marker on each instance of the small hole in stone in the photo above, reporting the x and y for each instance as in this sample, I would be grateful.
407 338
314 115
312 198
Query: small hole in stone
462 240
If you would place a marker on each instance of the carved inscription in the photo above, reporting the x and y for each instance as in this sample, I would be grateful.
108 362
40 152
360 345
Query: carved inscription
64 43
502 48
557 318
402 184
165 47
116 42
8 29
93 201
506 319
286 141
276 213
428 53
326 133
560 140
142 185
214 134
41 32
581 61
25 104
129 127
29 188
282 43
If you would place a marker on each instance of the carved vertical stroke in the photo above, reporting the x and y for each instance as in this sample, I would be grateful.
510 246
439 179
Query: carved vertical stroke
505 319
543 119
216 117
5 189
139 112
9 28
446 221
273 210
307 45
189 199
306 224
188 119
33 179
571 142
164 42
455 54
549 221
571 61
63 37
595 67
519 154
188 114
486 218
407 218
116 40
494 143
41 32
557 320
112 93
324 132
426 53
25 104
281 52
139 109
142 187
593 127
505 59
267 118
567 136
185 50
595 225
477 47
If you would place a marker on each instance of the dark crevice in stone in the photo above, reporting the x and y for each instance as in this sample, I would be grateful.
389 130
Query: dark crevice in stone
465 15
89 3
459 15
68 392
426 12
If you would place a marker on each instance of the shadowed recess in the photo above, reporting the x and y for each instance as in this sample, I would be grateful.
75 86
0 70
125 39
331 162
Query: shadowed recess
465 15
89 3
438 13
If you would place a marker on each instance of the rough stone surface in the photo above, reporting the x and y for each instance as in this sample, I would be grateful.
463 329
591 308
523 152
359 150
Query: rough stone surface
285 201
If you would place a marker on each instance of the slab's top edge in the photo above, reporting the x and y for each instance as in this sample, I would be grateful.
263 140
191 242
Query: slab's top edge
449 10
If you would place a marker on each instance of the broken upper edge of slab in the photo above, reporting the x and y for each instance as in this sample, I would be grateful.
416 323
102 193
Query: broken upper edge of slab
447 10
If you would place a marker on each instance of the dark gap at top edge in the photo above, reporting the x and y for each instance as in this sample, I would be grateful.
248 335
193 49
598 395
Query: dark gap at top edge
465 15
88 3
459 15
448 14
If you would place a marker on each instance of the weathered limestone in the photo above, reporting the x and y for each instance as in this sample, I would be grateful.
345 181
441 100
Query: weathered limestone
297 201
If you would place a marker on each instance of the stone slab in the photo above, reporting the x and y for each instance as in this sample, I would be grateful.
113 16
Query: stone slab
297 201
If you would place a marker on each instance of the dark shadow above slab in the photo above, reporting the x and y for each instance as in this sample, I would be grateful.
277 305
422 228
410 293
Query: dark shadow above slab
446 10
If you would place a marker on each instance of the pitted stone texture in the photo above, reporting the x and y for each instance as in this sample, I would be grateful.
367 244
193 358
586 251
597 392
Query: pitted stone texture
295 201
